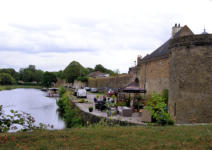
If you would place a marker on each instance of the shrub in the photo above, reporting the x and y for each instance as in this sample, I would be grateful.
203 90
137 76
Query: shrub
71 117
121 103
157 107
165 95
21 119
69 112
62 91
62 102
139 97
81 101
113 97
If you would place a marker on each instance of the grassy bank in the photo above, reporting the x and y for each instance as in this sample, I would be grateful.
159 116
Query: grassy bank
10 87
129 138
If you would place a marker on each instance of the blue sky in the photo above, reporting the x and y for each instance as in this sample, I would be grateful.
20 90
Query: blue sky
52 33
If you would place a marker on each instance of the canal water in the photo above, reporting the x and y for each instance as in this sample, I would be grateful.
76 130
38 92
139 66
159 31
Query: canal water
34 102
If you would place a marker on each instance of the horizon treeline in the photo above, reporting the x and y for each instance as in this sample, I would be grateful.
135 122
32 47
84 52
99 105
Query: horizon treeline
32 76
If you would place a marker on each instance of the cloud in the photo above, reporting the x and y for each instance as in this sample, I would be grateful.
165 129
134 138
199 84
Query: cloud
50 34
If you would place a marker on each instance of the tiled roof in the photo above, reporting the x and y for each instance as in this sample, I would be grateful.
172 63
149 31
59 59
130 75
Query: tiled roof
163 50
95 74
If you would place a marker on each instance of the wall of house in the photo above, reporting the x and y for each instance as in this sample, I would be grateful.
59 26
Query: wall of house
111 82
190 97
156 75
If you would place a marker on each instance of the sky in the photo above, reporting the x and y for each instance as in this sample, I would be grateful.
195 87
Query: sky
52 33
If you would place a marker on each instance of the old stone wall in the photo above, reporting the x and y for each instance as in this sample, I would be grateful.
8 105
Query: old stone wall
190 96
79 84
154 75
111 82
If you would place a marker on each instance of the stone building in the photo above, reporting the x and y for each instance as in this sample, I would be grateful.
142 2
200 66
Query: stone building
153 70
183 65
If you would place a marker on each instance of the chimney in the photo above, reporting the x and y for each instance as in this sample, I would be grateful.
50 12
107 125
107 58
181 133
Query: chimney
139 59
175 29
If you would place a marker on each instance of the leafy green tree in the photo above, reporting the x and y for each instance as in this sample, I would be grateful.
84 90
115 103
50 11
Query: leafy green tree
31 74
100 68
6 79
83 79
59 74
48 79
10 71
89 70
73 71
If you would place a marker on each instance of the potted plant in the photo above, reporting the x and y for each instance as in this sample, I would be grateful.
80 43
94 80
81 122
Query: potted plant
90 109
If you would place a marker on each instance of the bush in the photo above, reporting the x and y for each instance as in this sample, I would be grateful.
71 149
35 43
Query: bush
61 91
6 79
71 117
68 112
81 101
157 107
121 103
165 95
139 97
62 102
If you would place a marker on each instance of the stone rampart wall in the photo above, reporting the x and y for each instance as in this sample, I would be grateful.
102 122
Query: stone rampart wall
111 82
154 75
190 96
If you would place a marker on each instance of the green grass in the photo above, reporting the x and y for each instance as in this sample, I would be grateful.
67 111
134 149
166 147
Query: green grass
109 138
10 87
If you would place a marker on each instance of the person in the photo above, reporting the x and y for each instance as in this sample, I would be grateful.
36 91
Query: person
104 98
95 100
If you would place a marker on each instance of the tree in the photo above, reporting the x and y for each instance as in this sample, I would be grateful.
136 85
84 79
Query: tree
59 74
100 68
6 79
89 70
73 71
10 71
48 79
31 74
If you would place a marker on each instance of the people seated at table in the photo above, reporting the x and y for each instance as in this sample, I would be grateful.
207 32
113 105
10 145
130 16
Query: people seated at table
95 100
104 98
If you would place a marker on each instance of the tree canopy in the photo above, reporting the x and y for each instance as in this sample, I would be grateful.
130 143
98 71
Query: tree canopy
48 79
6 79
10 71
73 71
31 74
101 68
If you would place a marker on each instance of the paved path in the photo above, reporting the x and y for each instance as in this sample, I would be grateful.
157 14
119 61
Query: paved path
84 107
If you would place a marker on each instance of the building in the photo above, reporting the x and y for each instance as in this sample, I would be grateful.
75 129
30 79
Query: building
98 74
153 70
183 65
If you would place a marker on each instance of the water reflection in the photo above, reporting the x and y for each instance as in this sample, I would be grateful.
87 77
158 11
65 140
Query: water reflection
34 102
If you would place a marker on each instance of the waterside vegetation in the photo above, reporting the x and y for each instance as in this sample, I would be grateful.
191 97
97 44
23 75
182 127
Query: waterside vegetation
67 111
10 87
